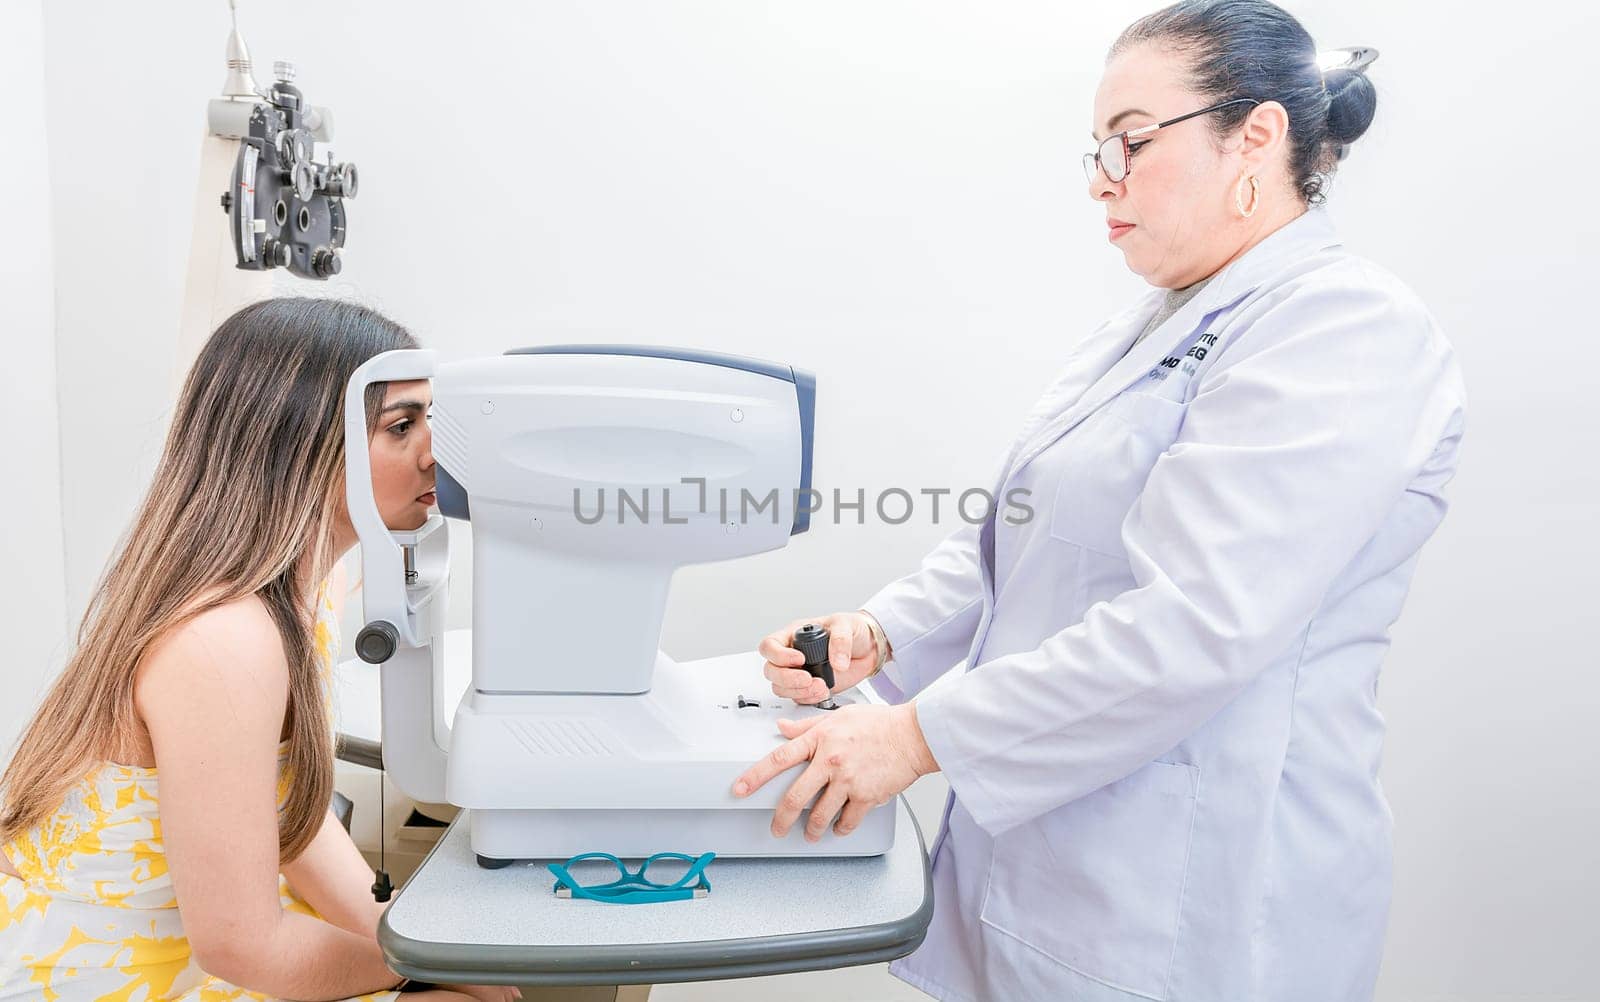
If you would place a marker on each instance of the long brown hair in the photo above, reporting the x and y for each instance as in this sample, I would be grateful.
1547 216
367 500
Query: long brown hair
243 502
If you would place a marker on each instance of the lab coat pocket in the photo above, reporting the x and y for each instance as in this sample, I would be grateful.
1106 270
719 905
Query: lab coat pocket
1108 459
1097 885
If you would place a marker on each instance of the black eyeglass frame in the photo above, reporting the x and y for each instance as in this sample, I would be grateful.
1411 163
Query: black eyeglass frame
1094 162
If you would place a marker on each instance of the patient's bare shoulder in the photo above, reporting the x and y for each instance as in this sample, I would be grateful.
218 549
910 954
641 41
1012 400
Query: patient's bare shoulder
223 666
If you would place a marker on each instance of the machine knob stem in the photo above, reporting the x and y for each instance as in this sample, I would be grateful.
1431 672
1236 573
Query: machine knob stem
377 641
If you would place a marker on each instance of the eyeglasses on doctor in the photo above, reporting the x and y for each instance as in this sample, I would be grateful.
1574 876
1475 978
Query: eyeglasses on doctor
1115 155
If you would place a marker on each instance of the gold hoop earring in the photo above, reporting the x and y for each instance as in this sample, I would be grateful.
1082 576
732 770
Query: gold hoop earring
1255 195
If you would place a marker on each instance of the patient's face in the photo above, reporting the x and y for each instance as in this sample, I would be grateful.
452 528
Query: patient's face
401 450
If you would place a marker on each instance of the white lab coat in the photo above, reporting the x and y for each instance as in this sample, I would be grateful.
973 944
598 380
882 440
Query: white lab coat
1164 762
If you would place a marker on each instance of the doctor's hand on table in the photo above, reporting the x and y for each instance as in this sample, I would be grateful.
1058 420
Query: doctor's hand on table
860 756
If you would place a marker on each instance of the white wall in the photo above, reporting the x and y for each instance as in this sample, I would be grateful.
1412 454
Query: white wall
33 608
888 193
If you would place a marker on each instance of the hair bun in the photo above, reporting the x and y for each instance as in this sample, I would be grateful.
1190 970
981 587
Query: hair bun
1352 102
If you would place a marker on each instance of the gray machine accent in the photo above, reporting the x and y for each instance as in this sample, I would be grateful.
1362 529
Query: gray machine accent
774 369
805 391
453 501
454 922
359 751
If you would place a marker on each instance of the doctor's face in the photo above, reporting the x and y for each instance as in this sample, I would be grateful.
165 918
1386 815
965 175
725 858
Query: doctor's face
1173 216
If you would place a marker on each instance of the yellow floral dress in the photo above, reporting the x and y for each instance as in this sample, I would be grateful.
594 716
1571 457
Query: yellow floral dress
94 915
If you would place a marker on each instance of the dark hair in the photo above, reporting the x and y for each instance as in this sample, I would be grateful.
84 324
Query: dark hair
1254 48
247 489
307 335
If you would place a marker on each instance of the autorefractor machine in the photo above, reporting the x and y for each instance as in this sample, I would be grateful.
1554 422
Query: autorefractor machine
589 474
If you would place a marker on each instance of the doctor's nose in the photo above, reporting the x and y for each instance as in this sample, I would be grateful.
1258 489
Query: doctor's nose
1102 188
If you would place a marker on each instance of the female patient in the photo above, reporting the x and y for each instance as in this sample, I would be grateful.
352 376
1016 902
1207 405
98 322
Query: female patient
206 656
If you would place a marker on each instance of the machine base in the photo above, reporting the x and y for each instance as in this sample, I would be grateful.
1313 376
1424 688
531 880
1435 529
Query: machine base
552 775
500 837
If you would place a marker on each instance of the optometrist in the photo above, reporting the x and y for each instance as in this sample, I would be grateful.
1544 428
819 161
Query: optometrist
1163 753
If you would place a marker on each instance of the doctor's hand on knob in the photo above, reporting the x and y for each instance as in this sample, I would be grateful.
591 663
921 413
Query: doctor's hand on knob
851 653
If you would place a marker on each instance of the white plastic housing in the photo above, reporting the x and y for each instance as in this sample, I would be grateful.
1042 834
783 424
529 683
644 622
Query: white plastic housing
549 777
413 704
561 606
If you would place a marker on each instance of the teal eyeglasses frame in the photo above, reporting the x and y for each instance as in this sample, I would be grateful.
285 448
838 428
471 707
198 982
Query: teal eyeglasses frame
633 887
